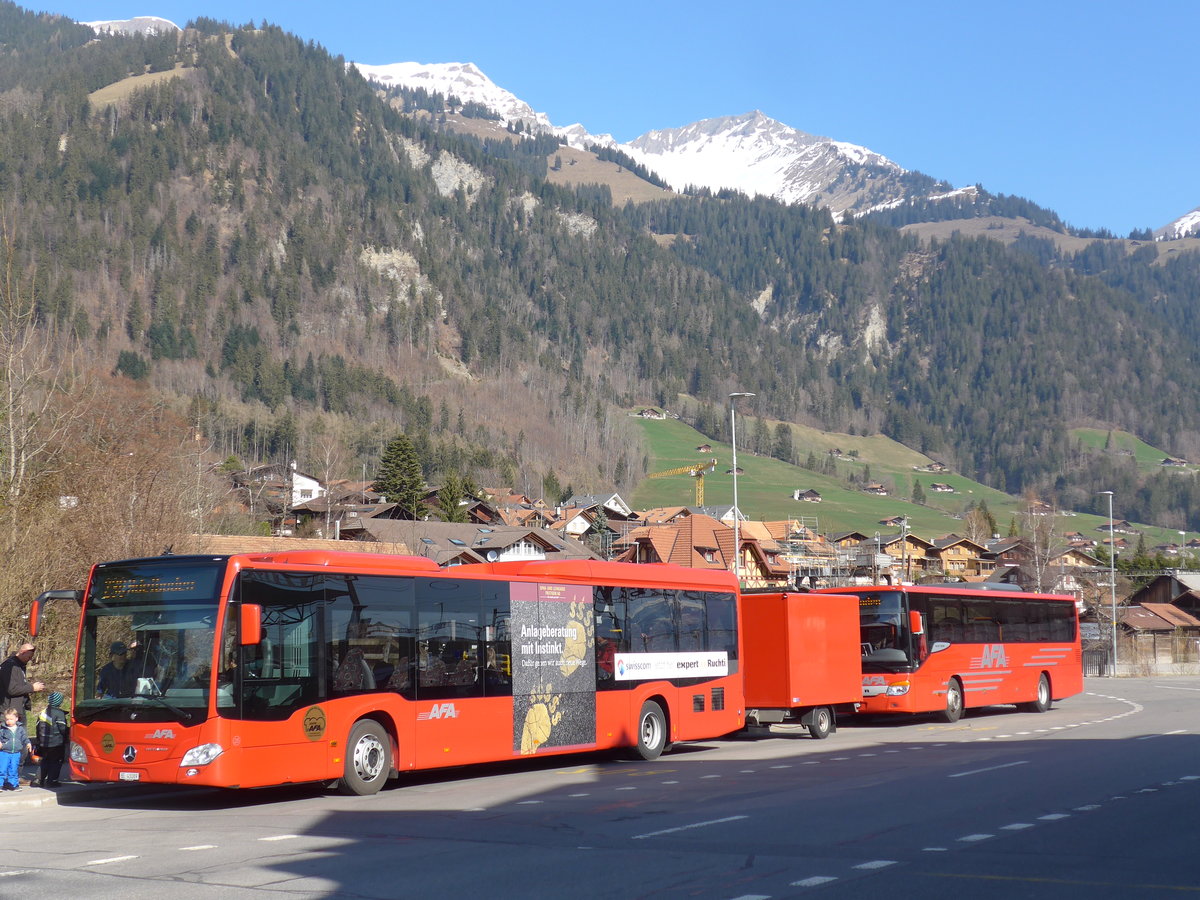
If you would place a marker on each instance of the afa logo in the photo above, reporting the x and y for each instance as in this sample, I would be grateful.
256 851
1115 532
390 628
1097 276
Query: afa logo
438 711
993 657
314 723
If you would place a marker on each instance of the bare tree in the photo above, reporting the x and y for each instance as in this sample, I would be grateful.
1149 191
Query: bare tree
1043 544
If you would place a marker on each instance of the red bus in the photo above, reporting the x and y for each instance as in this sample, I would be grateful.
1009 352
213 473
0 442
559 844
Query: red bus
272 668
943 649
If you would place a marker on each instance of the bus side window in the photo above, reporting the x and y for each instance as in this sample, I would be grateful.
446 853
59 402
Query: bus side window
946 625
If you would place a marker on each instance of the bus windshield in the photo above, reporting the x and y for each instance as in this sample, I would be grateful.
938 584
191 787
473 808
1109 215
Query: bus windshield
148 635
883 630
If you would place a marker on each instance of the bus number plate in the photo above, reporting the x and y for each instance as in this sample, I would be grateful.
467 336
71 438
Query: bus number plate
131 776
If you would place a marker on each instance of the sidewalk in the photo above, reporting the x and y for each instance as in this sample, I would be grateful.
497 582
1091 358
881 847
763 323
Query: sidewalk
67 793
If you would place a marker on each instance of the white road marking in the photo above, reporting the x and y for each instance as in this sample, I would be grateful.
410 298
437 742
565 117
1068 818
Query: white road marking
876 864
753 897
111 859
584 795
1022 762
281 837
638 837
12 872
536 802
814 881
1087 808
201 847
971 838
935 849
1054 817
702 777
1016 826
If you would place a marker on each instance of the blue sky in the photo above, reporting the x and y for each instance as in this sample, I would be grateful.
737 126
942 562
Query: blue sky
1088 108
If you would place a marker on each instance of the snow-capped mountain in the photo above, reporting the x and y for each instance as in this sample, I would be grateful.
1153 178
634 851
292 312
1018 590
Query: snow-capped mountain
466 82
752 153
136 25
755 154
1185 226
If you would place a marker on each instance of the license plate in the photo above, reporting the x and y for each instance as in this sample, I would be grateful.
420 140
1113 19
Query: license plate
131 776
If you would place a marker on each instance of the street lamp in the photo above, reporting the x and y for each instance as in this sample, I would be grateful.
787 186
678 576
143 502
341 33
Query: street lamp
737 544
1112 577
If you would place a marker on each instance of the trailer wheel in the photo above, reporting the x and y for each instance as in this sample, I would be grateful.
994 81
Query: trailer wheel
822 723
954 702
1042 703
368 759
651 731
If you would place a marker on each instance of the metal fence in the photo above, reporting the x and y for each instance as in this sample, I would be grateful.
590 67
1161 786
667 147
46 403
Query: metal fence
1097 662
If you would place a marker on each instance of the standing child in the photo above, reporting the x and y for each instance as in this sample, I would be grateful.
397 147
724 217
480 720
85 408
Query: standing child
52 734
13 743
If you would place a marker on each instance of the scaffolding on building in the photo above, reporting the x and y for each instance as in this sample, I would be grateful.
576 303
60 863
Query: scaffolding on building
811 559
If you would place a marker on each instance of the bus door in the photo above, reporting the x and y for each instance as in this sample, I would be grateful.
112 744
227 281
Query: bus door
455 722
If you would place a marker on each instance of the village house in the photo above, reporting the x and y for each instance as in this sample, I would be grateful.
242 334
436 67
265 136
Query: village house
808 496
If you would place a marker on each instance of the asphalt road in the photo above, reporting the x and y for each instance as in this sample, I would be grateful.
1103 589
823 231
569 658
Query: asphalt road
1096 798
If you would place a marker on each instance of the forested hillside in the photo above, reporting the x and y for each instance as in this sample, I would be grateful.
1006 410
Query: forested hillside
304 266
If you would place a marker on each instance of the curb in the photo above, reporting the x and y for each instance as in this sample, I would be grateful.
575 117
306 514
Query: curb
70 793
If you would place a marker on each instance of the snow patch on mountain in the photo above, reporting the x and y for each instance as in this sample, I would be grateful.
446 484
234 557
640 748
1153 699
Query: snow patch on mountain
752 153
1185 226
147 25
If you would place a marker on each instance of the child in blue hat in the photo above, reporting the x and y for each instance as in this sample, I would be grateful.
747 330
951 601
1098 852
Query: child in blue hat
53 733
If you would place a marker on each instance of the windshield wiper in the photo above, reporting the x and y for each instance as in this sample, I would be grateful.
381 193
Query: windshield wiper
182 713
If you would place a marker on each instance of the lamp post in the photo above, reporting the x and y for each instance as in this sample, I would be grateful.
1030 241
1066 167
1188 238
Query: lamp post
1112 578
737 543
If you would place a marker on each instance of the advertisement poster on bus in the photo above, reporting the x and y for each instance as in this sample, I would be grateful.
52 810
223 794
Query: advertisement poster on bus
554 667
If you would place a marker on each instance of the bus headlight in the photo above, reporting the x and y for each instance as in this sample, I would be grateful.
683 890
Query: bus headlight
78 754
897 689
202 755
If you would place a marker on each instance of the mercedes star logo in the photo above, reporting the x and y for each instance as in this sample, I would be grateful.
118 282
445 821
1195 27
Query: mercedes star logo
130 754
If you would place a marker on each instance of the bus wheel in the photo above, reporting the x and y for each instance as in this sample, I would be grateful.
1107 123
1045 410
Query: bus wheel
1042 703
368 758
954 702
651 731
821 724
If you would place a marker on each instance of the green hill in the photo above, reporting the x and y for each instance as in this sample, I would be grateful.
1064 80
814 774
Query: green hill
766 485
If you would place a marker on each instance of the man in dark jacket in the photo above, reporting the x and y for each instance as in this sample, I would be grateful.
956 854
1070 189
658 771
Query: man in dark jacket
15 688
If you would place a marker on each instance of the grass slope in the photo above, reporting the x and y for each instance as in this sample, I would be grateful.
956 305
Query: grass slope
766 485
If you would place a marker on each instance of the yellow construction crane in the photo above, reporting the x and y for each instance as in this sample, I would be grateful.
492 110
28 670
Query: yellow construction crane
696 470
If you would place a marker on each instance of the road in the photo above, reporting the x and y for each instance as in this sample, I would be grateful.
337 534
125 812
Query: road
1096 798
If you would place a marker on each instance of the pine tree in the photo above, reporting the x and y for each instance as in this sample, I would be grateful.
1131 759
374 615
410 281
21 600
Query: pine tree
918 492
399 477
450 497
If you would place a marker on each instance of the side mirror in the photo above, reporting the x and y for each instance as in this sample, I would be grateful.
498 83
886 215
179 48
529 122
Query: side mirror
251 624
35 609
914 622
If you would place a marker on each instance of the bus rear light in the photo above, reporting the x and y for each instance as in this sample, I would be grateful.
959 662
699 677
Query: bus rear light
202 755
78 754
897 688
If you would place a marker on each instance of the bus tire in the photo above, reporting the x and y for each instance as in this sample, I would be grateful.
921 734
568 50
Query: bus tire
954 702
368 760
822 723
1042 702
651 731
